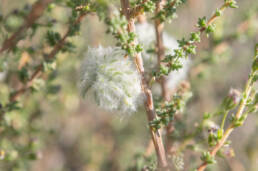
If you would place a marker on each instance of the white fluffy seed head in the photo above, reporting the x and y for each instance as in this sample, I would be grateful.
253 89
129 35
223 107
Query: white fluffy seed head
146 36
112 79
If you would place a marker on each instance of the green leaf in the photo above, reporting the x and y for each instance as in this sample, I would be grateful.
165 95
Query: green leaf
206 157
218 12
23 74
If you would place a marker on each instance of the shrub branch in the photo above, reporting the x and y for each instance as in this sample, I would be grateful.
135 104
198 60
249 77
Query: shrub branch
238 118
37 10
51 55
156 135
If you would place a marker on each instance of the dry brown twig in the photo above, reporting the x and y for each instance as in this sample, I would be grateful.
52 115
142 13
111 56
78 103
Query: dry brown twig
159 27
37 10
149 107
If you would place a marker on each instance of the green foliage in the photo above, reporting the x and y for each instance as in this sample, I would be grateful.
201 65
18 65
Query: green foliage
169 11
207 158
38 85
143 163
18 125
188 47
146 5
117 26
167 110
53 37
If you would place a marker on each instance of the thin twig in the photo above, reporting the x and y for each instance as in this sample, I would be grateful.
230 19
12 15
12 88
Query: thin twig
221 46
214 16
149 107
37 10
211 20
231 127
159 27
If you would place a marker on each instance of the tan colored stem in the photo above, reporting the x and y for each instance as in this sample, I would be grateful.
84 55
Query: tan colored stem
231 127
149 106
160 48
37 10
51 55
214 16
159 27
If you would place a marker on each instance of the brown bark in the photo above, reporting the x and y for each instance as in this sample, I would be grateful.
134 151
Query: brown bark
159 27
149 107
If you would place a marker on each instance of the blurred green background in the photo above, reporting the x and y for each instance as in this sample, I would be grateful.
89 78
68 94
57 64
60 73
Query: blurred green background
72 134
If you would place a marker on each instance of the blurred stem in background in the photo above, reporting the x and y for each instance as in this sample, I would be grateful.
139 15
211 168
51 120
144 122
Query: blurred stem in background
160 48
37 10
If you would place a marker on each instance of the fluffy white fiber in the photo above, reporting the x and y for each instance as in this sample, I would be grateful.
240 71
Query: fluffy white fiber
146 36
112 79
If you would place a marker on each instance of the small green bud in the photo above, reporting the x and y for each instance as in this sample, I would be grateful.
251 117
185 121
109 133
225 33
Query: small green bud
201 22
149 6
138 48
132 36
239 121
220 133
195 37
191 49
218 12
130 50
233 4
164 70
175 65
179 52
255 65
206 157
182 42
207 115
210 28
212 139
232 100
168 58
